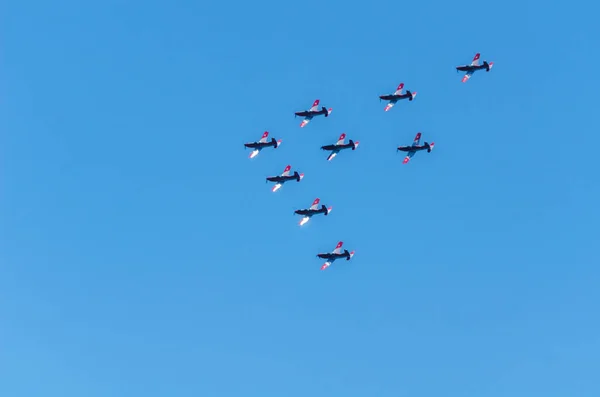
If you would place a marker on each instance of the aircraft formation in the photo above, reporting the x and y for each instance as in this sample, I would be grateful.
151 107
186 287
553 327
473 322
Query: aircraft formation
334 149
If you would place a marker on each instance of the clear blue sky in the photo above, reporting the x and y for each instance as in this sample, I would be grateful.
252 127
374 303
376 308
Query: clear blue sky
142 253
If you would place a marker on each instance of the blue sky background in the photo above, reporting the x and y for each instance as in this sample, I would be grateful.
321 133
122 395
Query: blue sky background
143 254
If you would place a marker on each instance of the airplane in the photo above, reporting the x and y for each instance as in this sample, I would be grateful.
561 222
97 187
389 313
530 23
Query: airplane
313 210
340 145
336 254
396 96
260 145
284 177
473 67
414 148
312 112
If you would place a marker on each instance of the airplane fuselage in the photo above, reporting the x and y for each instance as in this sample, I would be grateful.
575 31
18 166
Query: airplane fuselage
308 113
413 148
392 97
283 179
309 212
332 256
260 145
473 68
338 147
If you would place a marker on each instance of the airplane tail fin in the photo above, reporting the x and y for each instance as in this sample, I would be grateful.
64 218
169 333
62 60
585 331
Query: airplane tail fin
329 112
431 145
490 65
297 176
351 143
414 94
408 92
324 209
277 144
348 255
325 110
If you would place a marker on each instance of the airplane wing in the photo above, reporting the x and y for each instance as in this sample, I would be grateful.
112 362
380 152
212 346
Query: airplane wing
264 137
399 89
408 157
417 139
313 108
254 153
390 105
475 61
315 204
338 248
341 139
306 120
286 171
467 76
332 155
